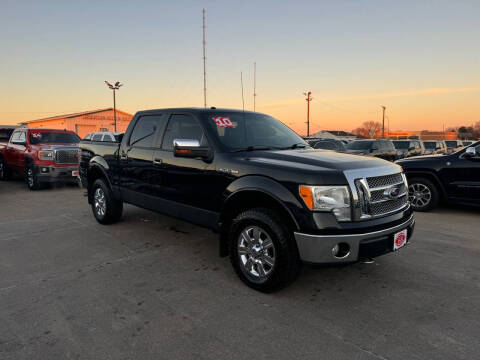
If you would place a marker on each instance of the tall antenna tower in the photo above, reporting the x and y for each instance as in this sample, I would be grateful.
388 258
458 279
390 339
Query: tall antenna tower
241 83
254 84
204 63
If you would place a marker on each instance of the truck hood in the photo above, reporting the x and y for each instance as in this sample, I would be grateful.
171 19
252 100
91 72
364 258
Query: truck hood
422 158
315 160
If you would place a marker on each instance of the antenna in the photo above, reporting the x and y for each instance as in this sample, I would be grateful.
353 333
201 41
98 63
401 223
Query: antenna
204 65
254 84
241 82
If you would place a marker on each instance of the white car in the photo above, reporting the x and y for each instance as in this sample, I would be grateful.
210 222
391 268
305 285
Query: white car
108 136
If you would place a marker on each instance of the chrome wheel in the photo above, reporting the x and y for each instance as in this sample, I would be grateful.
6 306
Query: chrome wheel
30 178
100 202
419 195
256 252
1 170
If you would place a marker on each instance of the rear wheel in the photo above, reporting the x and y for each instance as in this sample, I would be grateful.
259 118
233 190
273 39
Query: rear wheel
262 250
4 171
422 194
105 208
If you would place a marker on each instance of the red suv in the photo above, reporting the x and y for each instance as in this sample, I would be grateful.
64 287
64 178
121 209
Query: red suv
41 155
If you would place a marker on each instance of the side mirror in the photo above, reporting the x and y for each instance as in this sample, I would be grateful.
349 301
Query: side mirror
471 152
411 148
119 137
190 148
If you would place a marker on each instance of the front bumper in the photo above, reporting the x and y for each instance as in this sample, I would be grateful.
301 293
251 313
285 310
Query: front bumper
51 173
318 248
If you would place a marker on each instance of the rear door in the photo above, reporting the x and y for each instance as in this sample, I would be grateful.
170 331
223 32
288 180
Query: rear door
136 158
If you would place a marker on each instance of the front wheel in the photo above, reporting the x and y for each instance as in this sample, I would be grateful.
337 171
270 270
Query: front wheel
262 250
4 171
422 194
31 178
105 208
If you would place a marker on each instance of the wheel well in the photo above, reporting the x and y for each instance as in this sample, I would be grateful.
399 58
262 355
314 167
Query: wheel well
432 178
244 200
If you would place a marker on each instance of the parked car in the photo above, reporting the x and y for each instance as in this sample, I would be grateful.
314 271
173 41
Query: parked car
454 177
41 156
380 148
434 147
408 148
330 144
5 133
273 199
108 136
453 146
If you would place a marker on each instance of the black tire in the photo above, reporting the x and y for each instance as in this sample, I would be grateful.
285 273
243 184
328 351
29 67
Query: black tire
112 212
31 178
4 170
418 187
286 260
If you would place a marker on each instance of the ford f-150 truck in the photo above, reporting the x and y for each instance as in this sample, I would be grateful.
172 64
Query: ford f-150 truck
274 200
41 156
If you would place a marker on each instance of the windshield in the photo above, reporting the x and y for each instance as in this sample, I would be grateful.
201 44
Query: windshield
53 138
451 143
401 144
430 144
360 145
247 131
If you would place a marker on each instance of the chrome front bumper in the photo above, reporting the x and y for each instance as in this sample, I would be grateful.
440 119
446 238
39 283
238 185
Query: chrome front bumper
318 248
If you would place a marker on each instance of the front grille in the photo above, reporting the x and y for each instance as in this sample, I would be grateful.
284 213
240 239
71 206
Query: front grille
381 195
66 156
379 181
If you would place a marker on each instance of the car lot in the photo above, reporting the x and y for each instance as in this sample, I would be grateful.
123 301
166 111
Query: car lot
151 287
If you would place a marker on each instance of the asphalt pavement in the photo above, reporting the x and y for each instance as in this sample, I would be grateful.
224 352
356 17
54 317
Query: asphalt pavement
151 287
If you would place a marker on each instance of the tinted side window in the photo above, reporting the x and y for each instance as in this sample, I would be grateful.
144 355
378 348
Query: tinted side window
182 127
108 137
15 136
97 137
143 133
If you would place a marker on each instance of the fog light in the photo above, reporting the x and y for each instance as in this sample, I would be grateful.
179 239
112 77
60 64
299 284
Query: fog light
341 250
44 170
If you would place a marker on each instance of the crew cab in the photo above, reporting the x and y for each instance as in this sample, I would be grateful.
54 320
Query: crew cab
274 200
408 148
41 156
453 177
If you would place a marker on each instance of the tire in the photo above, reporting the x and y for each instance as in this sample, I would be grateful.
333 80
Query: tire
31 178
4 171
262 250
422 194
105 208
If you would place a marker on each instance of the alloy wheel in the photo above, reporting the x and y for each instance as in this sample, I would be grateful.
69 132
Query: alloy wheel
30 178
419 195
256 253
100 202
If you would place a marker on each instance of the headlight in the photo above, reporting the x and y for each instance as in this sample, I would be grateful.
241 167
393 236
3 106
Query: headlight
327 198
46 154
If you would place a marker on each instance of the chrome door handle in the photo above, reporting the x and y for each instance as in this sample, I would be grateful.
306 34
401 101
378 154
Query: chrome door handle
124 157
157 161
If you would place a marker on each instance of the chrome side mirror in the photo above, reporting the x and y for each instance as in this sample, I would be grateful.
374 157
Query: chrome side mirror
471 152
190 148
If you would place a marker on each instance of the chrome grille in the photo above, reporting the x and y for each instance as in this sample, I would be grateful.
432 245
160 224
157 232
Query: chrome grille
66 156
381 195
380 181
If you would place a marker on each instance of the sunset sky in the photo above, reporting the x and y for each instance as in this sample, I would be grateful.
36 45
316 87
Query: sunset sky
421 59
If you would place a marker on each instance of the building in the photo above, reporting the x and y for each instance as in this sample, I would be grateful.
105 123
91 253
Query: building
85 122
334 134
422 135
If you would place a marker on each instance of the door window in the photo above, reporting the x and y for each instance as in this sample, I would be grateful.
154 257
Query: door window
182 127
97 137
143 134
22 137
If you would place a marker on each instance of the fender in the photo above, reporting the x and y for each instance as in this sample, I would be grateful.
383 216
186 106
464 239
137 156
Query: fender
267 186
420 172
99 163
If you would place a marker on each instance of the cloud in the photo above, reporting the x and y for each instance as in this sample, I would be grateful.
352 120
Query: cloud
420 92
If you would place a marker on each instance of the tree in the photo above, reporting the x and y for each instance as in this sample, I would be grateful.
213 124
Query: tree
369 129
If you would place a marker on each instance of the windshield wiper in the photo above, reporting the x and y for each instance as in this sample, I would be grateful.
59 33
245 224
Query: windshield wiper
296 146
253 148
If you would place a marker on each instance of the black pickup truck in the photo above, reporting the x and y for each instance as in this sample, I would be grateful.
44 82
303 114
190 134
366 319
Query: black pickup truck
454 178
273 199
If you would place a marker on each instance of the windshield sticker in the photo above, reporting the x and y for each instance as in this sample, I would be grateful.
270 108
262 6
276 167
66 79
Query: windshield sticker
224 122
37 135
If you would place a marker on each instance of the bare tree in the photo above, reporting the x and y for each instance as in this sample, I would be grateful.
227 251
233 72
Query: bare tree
369 129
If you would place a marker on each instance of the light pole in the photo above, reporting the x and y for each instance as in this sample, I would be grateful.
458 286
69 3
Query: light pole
308 99
383 122
114 87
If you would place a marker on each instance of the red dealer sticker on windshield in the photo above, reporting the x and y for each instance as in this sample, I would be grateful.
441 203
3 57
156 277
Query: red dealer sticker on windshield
223 121
37 135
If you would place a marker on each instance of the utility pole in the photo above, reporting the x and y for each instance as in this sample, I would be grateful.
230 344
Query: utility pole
254 84
204 65
241 84
308 99
114 87
383 122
